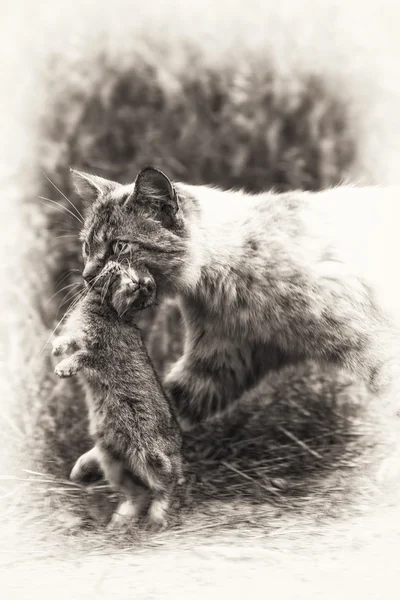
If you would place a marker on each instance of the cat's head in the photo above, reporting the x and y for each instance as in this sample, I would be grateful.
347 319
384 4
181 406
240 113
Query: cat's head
139 225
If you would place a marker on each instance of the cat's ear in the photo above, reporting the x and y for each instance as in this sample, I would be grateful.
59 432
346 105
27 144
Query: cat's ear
89 186
155 193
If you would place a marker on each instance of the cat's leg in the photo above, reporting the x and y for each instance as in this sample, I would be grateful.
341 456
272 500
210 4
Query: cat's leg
74 363
335 320
87 469
213 373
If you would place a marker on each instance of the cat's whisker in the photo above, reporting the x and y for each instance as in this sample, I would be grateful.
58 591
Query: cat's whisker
61 208
104 290
73 301
127 274
70 296
59 291
65 275
64 196
65 235
122 314
52 333
61 321
61 230
70 299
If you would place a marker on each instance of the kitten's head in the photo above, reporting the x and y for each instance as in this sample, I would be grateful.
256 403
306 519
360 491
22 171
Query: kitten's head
140 226
123 288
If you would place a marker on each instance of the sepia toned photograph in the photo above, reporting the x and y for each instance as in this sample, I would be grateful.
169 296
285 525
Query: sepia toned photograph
200 303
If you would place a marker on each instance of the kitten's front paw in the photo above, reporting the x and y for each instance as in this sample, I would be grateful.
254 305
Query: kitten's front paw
61 345
66 368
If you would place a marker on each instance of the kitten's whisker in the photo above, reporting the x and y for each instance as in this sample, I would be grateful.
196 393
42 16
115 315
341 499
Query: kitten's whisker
61 208
67 199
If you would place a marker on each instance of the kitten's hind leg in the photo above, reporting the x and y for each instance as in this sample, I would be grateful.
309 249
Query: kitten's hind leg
136 496
74 363
129 509
87 469
158 510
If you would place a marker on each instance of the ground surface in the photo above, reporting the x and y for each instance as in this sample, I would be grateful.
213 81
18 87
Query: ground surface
334 531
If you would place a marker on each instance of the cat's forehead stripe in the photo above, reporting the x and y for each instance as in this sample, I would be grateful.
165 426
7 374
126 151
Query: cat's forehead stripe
100 234
122 192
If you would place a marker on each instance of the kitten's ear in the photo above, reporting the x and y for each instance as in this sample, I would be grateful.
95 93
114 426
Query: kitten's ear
89 187
155 193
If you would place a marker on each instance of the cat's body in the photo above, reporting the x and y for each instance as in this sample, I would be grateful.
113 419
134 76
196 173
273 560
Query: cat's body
137 439
261 279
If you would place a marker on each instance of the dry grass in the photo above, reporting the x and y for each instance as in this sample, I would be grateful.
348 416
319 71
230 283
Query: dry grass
275 487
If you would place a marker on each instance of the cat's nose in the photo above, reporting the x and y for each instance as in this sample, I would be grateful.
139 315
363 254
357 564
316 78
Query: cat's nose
89 271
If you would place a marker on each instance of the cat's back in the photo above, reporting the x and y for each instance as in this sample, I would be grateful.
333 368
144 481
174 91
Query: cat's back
364 223
360 225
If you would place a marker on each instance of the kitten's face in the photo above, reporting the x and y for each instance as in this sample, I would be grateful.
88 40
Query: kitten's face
136 228
122 288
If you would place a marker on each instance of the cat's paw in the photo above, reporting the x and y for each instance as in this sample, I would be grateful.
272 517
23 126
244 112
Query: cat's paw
66 368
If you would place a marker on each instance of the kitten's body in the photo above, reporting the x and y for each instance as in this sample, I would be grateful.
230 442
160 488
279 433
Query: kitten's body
261 280
137 439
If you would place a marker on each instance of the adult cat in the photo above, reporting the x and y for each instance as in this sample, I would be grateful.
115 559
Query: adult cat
261 279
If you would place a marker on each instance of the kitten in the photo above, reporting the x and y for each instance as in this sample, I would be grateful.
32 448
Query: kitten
137 438
262 280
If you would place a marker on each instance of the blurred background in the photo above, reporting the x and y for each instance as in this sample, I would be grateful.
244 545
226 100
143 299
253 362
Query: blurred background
259 95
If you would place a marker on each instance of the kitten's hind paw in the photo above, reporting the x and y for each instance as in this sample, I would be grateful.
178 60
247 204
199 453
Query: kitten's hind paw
157 514
124 517
87 469
67 367
157 525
